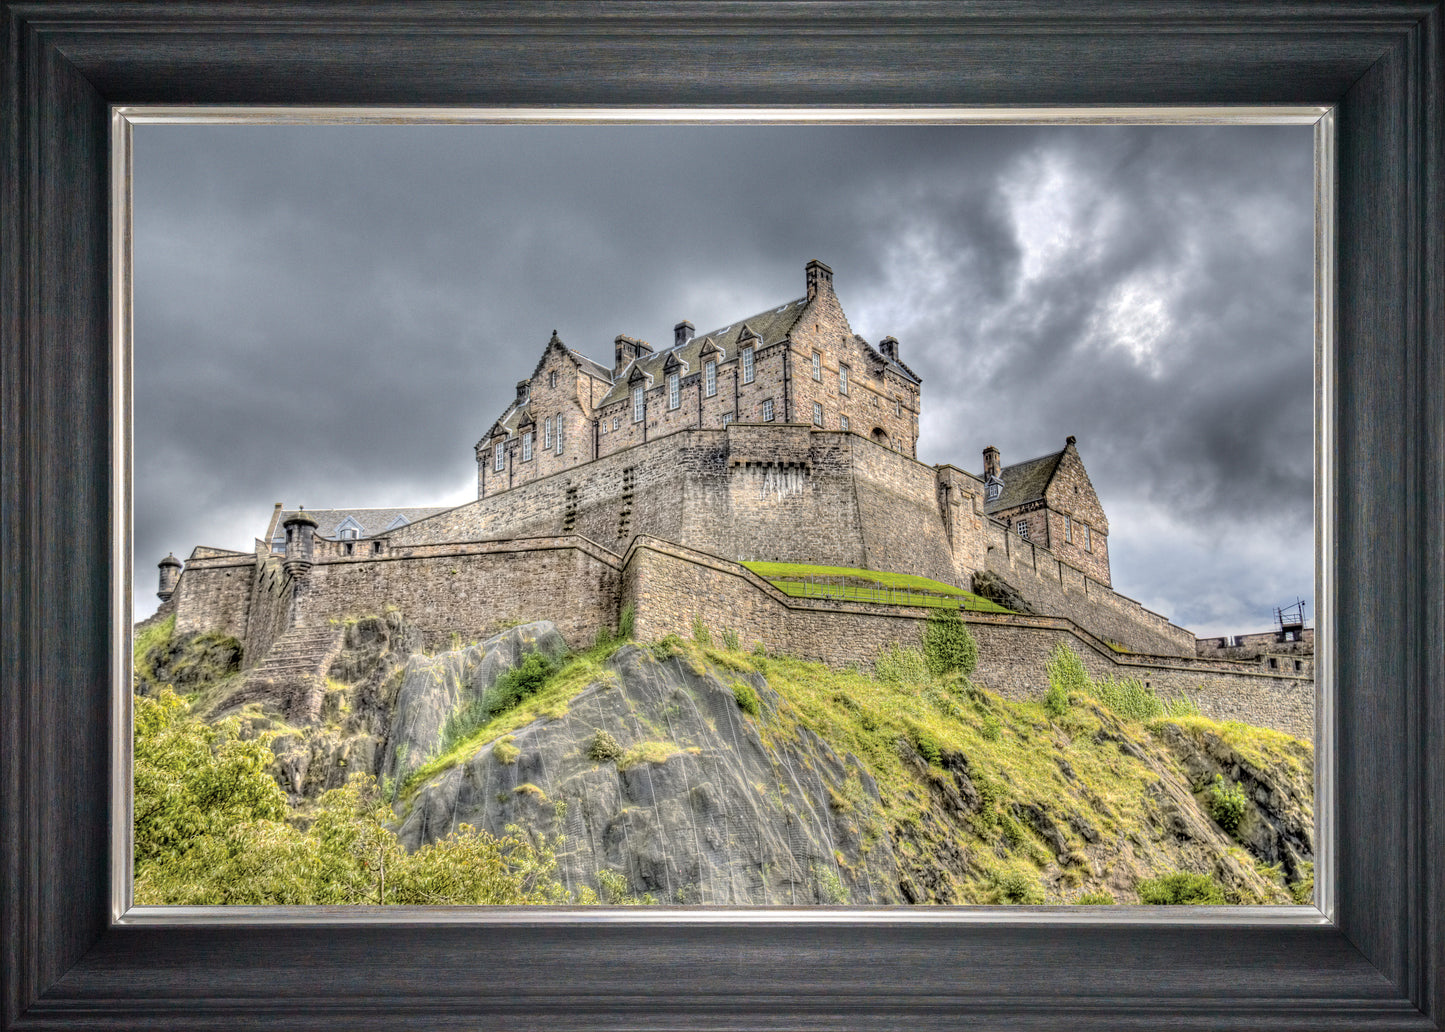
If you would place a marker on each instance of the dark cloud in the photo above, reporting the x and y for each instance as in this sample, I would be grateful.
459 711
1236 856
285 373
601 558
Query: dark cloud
332 316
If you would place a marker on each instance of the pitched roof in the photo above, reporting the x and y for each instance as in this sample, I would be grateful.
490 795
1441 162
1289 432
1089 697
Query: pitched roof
772 326
1025 481
371 521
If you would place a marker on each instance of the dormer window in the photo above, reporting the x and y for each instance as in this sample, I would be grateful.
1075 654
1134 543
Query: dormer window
499 459
747 365
674 390
709 376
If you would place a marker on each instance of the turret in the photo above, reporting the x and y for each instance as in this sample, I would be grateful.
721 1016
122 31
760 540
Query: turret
300 533
170 575
992 475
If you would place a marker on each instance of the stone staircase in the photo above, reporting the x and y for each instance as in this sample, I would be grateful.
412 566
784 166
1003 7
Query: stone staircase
292 674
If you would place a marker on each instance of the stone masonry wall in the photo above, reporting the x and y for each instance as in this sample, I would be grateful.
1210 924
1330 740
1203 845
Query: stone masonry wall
673 586
1059 589
471 590
214 594
270 609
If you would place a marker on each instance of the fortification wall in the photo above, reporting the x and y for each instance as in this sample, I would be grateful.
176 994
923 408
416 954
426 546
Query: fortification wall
902 527
672 586
270 607
1059 589
214 593
470 589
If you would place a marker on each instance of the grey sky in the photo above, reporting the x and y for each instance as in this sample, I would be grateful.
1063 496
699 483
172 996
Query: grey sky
333 316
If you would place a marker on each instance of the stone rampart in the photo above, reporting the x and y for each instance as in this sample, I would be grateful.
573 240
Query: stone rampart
270 609
672 586
471 589
214 592
1059 589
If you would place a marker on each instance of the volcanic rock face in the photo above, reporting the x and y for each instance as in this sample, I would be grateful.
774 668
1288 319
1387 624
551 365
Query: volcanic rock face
696 808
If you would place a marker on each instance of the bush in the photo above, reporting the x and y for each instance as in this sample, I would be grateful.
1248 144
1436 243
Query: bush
1017 887
603 748
669 646
1180 888
1226 803
901 666
700 633
627 622
1066 677
730 640
947 644
747 698
991 729
512 687
926 744
1095 899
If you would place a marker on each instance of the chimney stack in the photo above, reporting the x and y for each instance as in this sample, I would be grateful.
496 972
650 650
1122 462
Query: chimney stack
682 333
889 347
522 386
991 465
819 277
625 350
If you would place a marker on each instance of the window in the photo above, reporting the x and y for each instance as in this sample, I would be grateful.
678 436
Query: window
616 422
710 379
1068 529
1298 666
527 446
637 406
376 548
817 366
843 380
1024 529
1273 663
727 418
547 433
278 544
747 365
552 378
898 408
817 413
499 461
674 390
559 435
767 410
348 548
1088 539
843 422
350 534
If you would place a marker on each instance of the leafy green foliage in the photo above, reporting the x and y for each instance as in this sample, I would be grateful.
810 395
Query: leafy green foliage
926 744
1017 887
668 646
747 698
730 640
700 633
901 666
1095 899
212 827
1226 802
519 683
1303 891
1181 887
627 622
603 747
1067 677
948 647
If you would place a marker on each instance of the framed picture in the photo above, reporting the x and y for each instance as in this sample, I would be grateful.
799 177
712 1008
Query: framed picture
1372 956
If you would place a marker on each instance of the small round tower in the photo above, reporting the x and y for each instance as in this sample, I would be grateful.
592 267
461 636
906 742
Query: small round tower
170 575
300 533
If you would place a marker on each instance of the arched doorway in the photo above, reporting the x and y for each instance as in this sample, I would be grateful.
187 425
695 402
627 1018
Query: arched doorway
880 436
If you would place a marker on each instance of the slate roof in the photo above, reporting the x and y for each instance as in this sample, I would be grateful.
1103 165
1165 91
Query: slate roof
1025 481
772 326
373 521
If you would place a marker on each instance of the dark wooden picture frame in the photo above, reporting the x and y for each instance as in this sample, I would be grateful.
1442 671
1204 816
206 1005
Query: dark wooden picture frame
1374 960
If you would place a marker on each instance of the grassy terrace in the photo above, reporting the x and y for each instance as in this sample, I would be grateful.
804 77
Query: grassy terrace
802 580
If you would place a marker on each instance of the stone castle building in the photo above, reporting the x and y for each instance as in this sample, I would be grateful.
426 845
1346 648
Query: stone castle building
784 437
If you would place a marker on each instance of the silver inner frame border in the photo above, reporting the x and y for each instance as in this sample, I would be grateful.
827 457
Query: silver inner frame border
123 910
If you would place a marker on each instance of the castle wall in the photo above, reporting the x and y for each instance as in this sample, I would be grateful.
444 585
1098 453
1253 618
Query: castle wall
902 527
269 613
472 590
673 586
214 593
1060 589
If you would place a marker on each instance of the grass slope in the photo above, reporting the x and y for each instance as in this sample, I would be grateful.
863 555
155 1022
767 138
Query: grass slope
802 580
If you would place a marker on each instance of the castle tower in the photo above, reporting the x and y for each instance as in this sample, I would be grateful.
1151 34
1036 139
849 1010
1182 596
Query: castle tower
170 574
992 474
820 277
300 533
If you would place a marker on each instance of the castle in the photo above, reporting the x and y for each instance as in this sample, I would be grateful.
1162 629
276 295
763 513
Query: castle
782 437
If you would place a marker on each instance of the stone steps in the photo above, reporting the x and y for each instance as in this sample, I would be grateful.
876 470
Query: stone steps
292 675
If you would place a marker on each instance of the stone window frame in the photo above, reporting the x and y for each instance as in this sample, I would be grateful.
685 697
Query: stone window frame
527 446
1088 539
842 378
709 373
727 418
639 404
767 410
616 423
1068 530
1022 526
559 433
817 413
843 423
749 369
674 391
499 457
818 366
552 378
547 434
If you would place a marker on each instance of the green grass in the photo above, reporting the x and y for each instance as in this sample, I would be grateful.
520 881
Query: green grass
857 585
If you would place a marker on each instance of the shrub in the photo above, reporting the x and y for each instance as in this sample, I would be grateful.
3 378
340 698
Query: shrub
505 752
627 622
603 748
670 645
991 729
1181 887
1303 891
1095 899
512 687
947 644
1226 803
1066 676
700 633
747 698
901 666
760 650
1016 887
730 640
926 744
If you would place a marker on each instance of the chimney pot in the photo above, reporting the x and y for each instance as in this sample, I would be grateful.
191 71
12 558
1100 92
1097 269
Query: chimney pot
889 347
682 333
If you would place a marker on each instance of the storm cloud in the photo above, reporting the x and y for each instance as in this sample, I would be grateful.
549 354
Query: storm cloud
333 316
